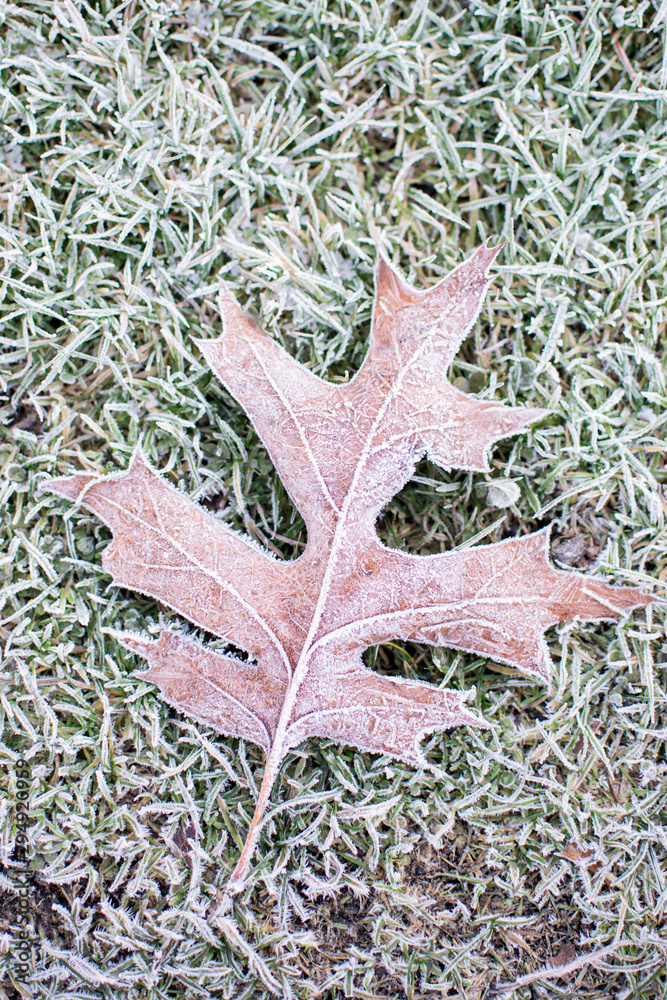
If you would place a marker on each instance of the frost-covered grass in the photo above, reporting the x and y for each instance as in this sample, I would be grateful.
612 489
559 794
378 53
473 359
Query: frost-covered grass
151 150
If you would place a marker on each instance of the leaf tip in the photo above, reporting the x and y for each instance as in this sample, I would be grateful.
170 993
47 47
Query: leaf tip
138 460
392 292
132 642
613 602
483 257
71 487
468 718
494 422
202 343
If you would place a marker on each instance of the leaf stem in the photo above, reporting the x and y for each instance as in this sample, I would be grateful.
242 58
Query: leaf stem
239 875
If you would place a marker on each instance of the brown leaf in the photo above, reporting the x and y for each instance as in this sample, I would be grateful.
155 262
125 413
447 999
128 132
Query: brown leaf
573 852
565 956
342 451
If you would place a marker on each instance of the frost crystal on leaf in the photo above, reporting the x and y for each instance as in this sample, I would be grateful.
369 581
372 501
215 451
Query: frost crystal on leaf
342 451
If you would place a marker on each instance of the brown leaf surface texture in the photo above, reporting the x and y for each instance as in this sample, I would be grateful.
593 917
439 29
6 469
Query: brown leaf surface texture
342 451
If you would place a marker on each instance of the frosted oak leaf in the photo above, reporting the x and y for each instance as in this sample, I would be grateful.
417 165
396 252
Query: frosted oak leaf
342 451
